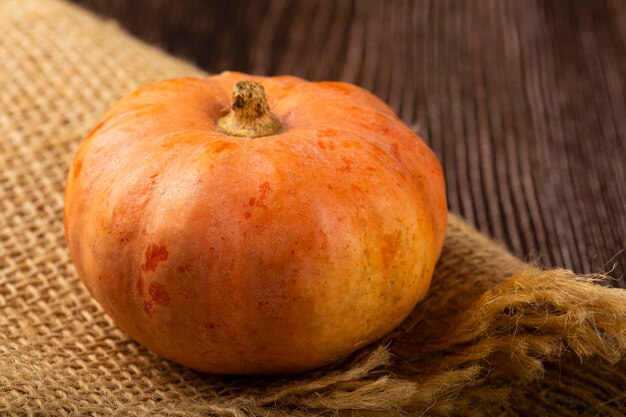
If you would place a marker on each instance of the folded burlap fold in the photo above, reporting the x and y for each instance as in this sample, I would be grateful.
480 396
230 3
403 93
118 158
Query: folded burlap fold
495 336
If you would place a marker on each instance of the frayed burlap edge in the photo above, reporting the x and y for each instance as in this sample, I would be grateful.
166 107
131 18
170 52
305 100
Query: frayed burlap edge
486 355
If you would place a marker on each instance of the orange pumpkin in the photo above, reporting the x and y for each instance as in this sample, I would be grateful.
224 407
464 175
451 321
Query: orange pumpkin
254 241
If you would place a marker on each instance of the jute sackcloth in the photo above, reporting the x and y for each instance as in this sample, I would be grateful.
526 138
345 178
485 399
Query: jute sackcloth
495 336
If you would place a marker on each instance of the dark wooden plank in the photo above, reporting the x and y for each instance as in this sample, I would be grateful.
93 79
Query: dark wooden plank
524 102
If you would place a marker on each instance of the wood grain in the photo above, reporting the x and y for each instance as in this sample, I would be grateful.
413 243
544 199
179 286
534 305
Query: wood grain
523 101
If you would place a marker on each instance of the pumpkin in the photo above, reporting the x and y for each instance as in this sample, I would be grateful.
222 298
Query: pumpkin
275 237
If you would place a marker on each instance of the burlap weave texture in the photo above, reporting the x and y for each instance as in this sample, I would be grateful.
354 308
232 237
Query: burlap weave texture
495 336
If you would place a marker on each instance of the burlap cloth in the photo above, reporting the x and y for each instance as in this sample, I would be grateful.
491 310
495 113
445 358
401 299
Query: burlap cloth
495 336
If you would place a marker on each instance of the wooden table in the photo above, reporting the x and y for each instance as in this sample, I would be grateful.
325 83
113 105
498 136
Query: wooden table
523 101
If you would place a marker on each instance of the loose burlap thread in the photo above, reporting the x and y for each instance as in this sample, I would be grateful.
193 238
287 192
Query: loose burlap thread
495 336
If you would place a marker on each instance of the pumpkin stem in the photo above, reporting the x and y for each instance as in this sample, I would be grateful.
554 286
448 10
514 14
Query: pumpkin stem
250 115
